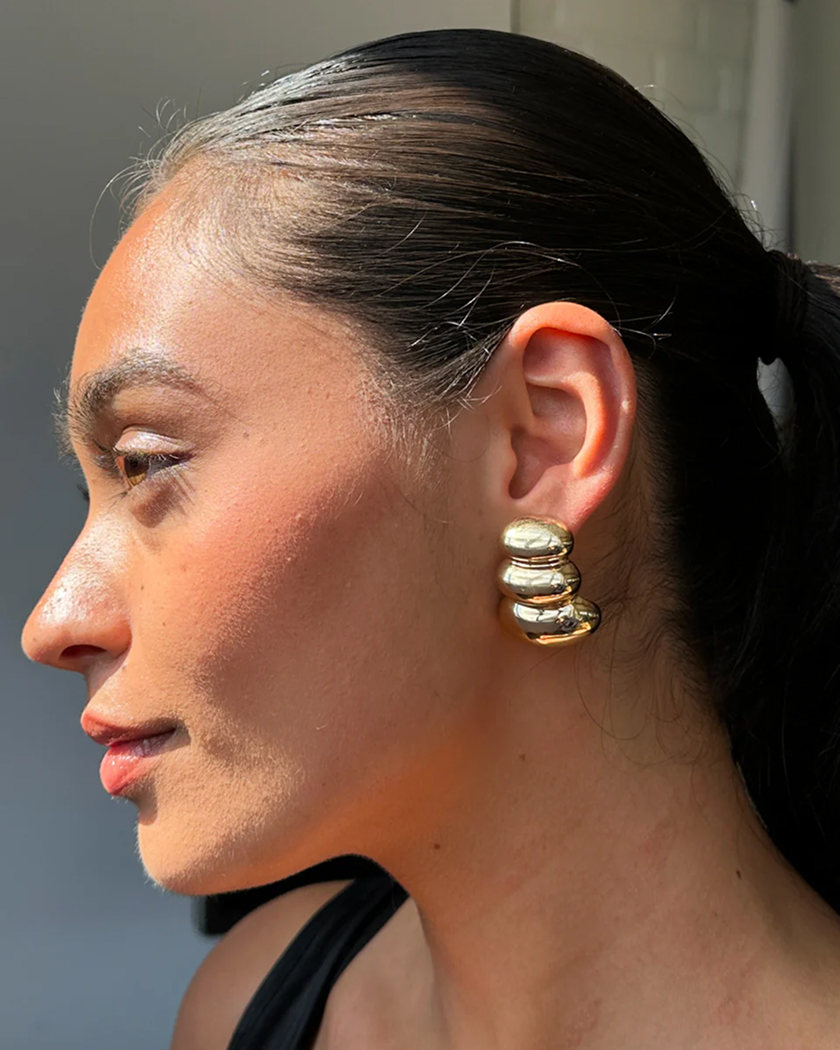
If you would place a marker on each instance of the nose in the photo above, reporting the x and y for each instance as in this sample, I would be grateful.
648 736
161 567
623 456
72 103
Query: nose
80 620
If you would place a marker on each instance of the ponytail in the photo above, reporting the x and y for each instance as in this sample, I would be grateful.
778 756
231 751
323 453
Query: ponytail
783 707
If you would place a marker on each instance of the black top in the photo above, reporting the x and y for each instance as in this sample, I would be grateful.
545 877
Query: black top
286 1010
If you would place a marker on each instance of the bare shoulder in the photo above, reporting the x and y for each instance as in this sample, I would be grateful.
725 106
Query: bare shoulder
233 970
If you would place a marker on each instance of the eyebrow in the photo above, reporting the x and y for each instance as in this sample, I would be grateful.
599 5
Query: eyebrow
78 410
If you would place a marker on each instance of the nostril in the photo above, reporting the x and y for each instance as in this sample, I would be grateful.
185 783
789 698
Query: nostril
77 652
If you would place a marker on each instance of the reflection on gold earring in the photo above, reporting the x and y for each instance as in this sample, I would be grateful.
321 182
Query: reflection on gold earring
540 583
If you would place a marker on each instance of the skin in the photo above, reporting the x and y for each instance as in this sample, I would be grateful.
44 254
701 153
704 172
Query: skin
318 619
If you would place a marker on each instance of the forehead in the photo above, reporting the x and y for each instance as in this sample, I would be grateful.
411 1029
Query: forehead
165 293
141 289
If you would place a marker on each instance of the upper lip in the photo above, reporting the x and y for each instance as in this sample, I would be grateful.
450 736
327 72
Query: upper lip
107 733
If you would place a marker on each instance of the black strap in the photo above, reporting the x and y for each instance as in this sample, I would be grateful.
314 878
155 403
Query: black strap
287 1008
217 913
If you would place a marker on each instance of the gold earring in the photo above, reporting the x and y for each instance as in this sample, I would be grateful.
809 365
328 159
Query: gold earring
539 584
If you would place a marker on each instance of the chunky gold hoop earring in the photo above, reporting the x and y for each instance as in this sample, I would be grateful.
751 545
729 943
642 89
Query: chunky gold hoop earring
539 584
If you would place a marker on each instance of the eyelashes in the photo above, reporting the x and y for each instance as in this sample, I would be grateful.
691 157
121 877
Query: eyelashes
134 467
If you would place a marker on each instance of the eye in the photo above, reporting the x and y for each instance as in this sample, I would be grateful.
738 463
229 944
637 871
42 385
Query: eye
135 467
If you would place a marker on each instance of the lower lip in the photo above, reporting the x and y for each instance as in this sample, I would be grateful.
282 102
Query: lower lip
125 762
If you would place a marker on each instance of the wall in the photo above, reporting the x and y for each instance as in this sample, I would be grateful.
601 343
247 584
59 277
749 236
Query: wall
817 120
92 956
690 56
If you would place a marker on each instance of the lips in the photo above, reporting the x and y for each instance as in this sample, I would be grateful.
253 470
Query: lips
141 747
109 734
130 749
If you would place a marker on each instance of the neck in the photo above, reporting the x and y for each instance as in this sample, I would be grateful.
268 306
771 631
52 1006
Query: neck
576 889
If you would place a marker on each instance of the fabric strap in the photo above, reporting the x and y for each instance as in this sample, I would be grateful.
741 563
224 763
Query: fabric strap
287 1008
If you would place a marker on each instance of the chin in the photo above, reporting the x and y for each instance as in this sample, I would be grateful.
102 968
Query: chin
174 867
191 868
197 865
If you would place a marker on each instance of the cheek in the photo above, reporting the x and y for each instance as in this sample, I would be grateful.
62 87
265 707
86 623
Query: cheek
253 633
290 630
285 627
251 579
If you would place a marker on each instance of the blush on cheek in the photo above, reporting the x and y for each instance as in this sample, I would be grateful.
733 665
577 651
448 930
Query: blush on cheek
265 539
260 576
257 638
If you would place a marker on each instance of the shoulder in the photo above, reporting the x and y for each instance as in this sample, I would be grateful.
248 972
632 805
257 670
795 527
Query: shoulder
233 970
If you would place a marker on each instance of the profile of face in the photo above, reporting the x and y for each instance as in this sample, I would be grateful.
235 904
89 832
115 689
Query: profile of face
287 621
260 589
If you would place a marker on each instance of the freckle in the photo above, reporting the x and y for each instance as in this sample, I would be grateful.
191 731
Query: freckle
522 756
142 587
246 434
436 845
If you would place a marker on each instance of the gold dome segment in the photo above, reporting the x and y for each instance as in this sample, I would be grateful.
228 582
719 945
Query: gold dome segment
540 584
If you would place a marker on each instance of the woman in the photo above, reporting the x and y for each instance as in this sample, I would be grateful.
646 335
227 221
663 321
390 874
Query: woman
384 315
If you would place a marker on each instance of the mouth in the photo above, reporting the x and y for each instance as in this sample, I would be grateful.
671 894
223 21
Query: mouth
130 749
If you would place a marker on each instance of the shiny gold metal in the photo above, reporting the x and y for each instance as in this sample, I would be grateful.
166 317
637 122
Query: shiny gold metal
539 584
546 625
530 538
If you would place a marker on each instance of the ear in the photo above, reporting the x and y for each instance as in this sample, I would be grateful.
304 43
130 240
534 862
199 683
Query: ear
560 414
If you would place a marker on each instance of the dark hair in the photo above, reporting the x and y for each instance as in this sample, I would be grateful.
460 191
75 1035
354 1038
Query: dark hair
443 182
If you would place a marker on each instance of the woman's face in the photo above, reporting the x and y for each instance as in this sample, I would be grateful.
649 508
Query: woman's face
257 590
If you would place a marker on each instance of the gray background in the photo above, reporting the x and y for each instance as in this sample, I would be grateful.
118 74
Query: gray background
91 955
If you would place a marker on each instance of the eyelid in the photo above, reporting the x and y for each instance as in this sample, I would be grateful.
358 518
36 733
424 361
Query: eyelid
107 459
143 441
163 460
